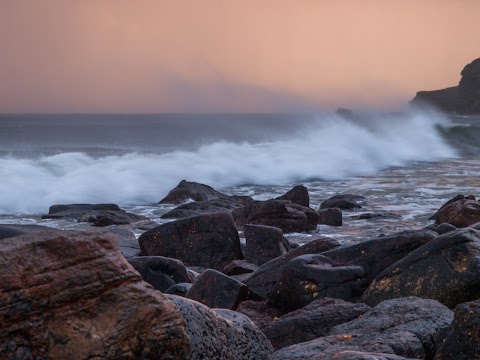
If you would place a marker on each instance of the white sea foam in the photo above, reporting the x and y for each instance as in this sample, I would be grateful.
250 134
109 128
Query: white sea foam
333 148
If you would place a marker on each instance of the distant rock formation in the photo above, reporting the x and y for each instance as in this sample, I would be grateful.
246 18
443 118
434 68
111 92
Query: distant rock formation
462 99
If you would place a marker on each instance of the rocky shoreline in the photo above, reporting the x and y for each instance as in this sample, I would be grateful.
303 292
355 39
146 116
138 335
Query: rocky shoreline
190 289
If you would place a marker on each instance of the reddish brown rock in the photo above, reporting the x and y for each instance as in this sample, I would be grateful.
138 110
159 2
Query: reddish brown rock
260 313
460 213
68 295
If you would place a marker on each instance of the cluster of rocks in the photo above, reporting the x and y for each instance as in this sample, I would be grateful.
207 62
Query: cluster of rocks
194 292
463 98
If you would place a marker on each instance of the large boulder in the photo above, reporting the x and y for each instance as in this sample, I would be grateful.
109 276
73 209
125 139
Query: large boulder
159 271
288 216
461 340
460 213
313 276
187 190
406 327
312 321
446 269
343 202
264 243
97 214
209 240
464 98
259 312
264 279
224 204
71 295
330 216
298 195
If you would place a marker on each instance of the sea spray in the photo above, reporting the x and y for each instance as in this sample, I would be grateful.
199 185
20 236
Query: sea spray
329 147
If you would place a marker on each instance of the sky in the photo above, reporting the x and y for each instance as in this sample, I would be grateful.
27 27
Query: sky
154 56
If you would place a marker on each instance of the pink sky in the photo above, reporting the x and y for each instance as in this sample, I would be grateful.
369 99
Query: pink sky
229 55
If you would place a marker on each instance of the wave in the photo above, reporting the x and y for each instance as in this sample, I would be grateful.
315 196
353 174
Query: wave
465 137
329 148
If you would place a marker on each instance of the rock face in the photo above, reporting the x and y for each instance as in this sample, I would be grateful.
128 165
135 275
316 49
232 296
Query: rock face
462 338
288 216
264 279
460 213
69 295
209 240
343 202
406 327
309 277
159 271
446 269
264 243
313 321
464 98
97 214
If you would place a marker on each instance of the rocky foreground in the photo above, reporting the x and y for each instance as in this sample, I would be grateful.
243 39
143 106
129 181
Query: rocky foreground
189 289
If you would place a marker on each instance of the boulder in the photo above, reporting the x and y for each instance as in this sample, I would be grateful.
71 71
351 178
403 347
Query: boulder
263 280
330 216
72 295
313 276
312 321
343 202
159 271
225 204
97 214
446 269
238 267
463 98
377 254
442 228
264 243
180 289
283 214
456 198
127 241
298 195
187 190
209 240
460 213
217 290
259 312
461 340
405 327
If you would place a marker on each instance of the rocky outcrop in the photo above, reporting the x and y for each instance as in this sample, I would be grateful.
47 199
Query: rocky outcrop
446 269
71 295
343 202
312 321
464 98
97 214
406 327
209 240
288 216
461 340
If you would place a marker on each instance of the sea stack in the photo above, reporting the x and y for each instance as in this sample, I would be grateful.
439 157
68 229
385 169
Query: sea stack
463 98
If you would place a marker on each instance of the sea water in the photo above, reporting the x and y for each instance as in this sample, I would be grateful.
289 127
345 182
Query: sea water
405 164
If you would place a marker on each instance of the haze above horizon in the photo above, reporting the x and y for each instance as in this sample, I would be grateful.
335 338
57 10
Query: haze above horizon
186 56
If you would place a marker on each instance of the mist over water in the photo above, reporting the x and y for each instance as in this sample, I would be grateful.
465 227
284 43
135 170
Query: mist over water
137 162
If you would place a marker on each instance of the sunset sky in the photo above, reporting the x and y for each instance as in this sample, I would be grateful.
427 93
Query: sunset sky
148 56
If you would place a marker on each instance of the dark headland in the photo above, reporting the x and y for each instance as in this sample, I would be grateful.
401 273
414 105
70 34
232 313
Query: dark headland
461 99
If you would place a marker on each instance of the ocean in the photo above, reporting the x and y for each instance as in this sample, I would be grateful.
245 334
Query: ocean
405 164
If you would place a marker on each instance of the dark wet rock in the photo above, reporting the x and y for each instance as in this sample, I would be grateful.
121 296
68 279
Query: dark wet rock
264 243
225 204
446 269
187 190
72 295
442 228
180 289
159 271
259 312
377 254
330 216
237 267
460 213
463 98
283 214
454 199
209 240
264 279
344 202
313 276
405 327
298 195
127 241
9 231
217 290
461 340
192 274
377 215
360 355
97 214
312 321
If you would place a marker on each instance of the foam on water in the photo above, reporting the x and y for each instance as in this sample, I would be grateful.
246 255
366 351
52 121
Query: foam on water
330 148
